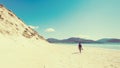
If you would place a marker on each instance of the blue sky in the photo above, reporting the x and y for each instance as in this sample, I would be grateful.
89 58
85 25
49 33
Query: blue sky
93 19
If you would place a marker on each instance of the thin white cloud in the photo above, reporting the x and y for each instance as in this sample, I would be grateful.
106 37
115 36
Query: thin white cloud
50 30
33 27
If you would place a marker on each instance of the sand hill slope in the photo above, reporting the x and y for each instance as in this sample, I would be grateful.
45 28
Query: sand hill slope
13 29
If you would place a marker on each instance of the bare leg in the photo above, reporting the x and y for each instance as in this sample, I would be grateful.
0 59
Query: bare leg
80 49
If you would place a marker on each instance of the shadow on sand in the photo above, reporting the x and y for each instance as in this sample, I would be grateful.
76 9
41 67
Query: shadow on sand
76 53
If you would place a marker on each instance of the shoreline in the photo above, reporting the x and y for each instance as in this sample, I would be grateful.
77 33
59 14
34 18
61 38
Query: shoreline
106 46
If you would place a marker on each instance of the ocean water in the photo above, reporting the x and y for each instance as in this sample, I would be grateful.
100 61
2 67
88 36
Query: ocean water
109 46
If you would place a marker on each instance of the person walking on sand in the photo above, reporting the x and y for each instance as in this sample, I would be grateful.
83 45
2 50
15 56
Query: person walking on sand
80 47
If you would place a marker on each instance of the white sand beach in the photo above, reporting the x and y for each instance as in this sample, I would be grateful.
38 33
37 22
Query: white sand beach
45 55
